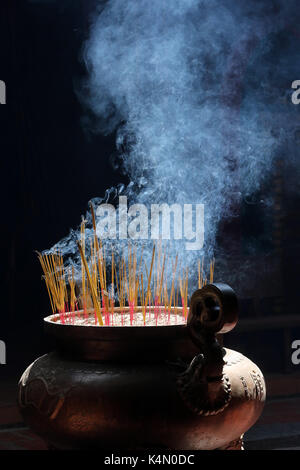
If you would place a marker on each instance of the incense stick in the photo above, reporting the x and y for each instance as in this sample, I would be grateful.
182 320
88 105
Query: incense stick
93 292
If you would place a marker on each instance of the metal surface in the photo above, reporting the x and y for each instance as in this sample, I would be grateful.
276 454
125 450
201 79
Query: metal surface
121 343
173 393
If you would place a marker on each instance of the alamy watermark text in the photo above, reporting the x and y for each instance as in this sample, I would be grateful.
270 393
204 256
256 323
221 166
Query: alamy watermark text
2 92
2 352
164 221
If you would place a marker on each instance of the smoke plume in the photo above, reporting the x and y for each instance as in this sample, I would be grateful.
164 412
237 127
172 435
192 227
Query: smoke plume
194 91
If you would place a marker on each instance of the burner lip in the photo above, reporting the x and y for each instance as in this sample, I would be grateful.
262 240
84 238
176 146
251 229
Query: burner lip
55 319
107 343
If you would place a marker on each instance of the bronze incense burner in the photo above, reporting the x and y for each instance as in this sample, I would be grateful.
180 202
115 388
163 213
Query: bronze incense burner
145 387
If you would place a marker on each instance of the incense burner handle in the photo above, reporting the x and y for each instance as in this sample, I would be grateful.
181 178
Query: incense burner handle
203 386
213 310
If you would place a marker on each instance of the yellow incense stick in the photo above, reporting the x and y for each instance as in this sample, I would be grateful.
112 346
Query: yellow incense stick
92 288
149 280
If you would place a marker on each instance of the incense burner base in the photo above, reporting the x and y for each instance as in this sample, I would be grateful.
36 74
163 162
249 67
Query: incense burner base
88 405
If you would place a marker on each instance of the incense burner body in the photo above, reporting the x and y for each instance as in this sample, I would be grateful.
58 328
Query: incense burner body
139 388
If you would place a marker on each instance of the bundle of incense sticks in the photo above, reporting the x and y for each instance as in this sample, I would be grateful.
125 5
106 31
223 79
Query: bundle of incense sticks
128 283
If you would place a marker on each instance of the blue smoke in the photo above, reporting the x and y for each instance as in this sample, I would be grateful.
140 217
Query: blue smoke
192 89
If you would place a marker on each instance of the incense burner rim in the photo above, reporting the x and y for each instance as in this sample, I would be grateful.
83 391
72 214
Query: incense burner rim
53 319
97 343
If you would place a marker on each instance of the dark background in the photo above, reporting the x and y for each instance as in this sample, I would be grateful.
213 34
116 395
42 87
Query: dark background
51 168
